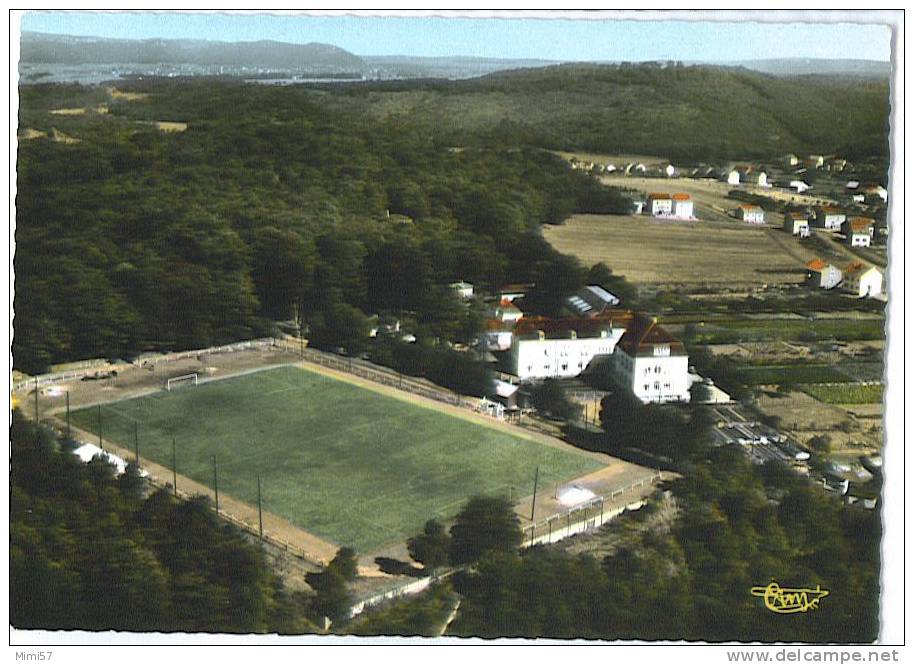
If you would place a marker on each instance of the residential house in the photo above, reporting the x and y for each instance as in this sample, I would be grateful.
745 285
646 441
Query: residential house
858 231
762 179
751 213
830 218
791 159
862 281
815 161
499 335
799 186
877 190
683 207
592 300
733 177
852 184
507 312
822 275
670 171
660 204
463 289
512 292
651 363
797 224
858 198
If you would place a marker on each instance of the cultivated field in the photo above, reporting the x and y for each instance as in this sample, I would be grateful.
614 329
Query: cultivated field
347 464
650 251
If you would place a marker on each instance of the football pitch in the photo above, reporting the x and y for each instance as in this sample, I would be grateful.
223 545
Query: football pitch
348 464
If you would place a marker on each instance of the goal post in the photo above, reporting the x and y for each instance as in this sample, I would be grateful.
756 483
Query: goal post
178 381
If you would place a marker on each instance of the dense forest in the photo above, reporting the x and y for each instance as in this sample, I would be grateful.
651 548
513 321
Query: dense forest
736 526
685 113
267 207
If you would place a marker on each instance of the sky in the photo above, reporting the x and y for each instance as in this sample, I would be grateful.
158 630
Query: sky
548 38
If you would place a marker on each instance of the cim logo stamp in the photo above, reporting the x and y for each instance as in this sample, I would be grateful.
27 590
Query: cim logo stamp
789 601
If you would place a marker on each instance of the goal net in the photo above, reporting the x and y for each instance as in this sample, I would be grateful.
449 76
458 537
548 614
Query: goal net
179 381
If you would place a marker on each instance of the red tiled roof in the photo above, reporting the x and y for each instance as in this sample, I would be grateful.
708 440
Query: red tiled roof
856 266
798 216
658 195
533 324
750 206
860 224
497 325
508 306
681 197
643 334
817 265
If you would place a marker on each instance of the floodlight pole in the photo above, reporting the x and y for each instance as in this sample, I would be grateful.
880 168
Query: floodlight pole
536 480
216 484
68 414
259 507
174 470
100 444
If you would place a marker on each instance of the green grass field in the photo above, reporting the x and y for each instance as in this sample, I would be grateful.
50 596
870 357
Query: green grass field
348 464
844 393
790 374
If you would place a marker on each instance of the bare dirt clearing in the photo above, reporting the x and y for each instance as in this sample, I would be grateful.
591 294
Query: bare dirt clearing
114 93
646 250
167 126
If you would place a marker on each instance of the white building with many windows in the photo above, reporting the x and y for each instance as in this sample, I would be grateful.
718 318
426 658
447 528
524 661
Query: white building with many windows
651 363
561 348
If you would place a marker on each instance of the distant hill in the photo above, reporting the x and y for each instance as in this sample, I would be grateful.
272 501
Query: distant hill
66 49
688 113
456 67
818 66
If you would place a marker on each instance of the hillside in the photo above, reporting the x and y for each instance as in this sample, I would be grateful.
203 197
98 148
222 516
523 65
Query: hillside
44 48
684 112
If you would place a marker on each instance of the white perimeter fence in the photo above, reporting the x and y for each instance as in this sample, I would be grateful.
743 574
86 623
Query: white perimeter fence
588 516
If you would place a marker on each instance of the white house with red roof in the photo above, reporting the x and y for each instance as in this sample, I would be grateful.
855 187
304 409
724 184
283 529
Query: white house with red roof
797 224
683 207
822 275
651 363
751 213
660 204
861 280
859 231
830 218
